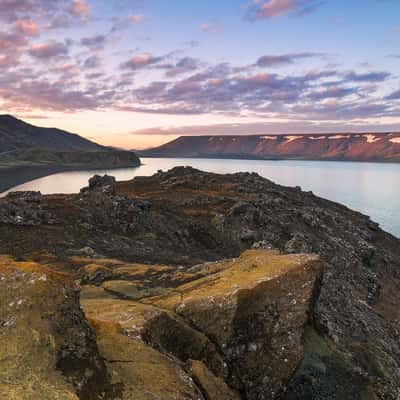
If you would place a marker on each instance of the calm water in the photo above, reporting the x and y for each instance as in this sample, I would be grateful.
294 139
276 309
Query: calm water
373 189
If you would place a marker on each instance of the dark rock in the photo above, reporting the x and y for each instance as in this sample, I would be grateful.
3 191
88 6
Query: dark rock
105 184
186 217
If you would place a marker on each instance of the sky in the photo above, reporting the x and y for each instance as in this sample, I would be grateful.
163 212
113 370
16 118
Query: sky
138 73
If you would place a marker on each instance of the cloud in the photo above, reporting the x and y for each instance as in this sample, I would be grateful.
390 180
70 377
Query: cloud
375 76
264 128
11 40
263 10
394 96
278 60
48 50
79 8
140 61
94 42
92 62
27 27
332 92
212 28
137 19
184 65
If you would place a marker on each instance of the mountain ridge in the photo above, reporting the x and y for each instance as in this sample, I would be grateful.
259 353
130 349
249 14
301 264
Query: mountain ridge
382 147
16 134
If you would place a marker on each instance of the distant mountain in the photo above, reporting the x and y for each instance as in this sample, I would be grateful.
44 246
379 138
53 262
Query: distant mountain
18 135
343 147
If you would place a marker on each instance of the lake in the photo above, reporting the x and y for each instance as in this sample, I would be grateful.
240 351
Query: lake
371 188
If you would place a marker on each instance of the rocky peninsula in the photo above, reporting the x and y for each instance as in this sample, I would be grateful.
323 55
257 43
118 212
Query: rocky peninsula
192 285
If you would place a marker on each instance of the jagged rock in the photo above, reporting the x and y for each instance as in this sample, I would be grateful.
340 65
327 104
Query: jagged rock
213 387
237 322
95 274
255 309
183 217
141 372
105 184
161 329
49 351
25 209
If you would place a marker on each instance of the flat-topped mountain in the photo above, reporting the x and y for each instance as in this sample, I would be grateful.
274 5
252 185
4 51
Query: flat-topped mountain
342 147
19 135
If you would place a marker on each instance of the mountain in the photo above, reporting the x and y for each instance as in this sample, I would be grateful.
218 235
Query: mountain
344 147
28 152
19 135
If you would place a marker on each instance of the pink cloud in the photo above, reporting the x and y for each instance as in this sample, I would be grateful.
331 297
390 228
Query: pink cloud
27 27
207 27
79 8
137 19
275 8
48 50
261 9
11 41
140 61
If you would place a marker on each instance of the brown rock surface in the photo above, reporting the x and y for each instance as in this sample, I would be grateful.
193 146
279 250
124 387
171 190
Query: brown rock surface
255 309
242 319
212 386
48 350
142 372
184 217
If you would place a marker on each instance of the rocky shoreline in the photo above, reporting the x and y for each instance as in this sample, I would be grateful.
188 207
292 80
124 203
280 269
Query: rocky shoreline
235 287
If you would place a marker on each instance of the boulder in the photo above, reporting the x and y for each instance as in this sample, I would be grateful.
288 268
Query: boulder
141 372
104 184
49 352
255 309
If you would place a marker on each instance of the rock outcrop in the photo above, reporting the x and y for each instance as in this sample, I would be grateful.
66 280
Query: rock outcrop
178 219
48 350
234 331
237 325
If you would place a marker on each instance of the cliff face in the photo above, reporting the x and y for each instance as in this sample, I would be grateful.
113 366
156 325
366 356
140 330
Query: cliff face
348 147
139 247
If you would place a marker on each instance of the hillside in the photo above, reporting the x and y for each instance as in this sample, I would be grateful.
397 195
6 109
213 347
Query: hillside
344 147
19 135
28 152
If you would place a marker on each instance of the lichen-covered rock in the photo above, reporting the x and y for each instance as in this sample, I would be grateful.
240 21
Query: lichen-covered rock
161 329
141 372
213 387
255 309
235 324
48 350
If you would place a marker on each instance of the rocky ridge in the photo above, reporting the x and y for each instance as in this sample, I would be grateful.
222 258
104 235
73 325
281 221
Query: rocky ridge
139 249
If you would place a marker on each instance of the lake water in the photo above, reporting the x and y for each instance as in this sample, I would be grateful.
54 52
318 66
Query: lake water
371 188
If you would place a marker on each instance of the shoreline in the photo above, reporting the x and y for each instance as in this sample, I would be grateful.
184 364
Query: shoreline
15 176
254 158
